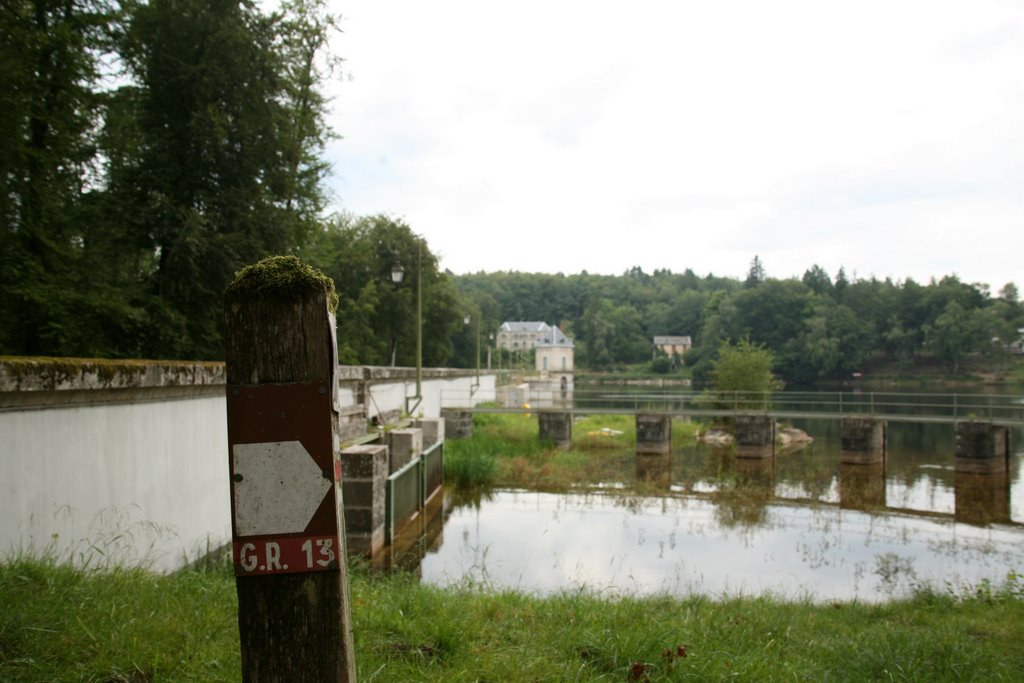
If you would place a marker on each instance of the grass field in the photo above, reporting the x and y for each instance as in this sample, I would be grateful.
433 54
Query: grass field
60 624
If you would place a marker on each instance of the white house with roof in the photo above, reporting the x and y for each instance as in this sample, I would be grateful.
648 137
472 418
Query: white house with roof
521 336
555 354
672 346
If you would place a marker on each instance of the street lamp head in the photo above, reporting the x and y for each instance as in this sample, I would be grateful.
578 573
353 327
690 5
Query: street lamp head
397 273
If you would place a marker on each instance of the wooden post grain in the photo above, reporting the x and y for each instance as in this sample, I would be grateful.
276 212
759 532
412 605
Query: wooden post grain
294 624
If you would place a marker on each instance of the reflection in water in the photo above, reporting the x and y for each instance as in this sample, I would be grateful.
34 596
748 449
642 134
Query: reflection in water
862 487
982 498
744 500
704 521
654 470
543 542
423 534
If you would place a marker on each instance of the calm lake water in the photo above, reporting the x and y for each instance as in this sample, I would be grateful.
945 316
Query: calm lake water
701 521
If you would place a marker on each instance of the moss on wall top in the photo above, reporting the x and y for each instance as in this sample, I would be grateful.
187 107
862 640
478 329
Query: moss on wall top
20 373
283 278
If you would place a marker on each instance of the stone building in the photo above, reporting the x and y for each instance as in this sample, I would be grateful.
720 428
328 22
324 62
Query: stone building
521 336
672 347
555 357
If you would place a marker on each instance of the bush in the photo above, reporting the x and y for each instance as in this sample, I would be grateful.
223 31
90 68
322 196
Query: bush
661 365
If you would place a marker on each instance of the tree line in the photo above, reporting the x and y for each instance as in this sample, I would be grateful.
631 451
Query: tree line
818 327
152 149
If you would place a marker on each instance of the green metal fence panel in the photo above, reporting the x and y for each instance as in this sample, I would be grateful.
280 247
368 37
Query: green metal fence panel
404 492
433 470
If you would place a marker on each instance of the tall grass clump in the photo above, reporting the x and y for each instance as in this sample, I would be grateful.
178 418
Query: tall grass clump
474 461
684 433
468 466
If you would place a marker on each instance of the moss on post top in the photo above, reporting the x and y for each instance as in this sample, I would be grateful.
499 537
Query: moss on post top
283 278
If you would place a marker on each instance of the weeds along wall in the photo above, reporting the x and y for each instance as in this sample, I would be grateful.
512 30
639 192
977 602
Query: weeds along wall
125 462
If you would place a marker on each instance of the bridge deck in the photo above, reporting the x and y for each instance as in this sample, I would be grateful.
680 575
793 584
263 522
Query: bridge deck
779 414
892 407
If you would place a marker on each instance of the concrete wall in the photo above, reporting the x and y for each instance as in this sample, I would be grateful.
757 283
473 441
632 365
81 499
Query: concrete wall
125 462
113 463
384 390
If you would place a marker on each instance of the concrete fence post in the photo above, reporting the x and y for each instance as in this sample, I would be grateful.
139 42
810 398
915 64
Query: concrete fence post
364 473
288 530
404 445
433 430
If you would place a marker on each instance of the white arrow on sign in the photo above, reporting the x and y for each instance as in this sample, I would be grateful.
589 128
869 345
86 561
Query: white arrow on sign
278 487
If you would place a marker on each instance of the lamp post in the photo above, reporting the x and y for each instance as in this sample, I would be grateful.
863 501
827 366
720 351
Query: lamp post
419 326
476 384
397 275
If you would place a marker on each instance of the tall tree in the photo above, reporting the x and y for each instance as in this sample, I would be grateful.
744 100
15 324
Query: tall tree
817 279
229 124
756 274
50 53
1009 293
952 335
833 344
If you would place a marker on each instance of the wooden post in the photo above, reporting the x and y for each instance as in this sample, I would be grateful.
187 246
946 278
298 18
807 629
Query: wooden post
287 521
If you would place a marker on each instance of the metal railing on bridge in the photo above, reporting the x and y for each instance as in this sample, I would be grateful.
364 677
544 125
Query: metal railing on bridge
893 406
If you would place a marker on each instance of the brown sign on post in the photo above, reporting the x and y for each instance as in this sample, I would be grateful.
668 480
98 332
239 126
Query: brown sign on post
287 523
282 466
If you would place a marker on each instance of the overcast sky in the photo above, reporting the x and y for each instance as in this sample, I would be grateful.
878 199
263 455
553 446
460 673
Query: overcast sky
560 136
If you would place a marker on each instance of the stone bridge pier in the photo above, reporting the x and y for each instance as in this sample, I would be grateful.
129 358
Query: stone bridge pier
862 441
556 427
982 447
755 436
653 434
